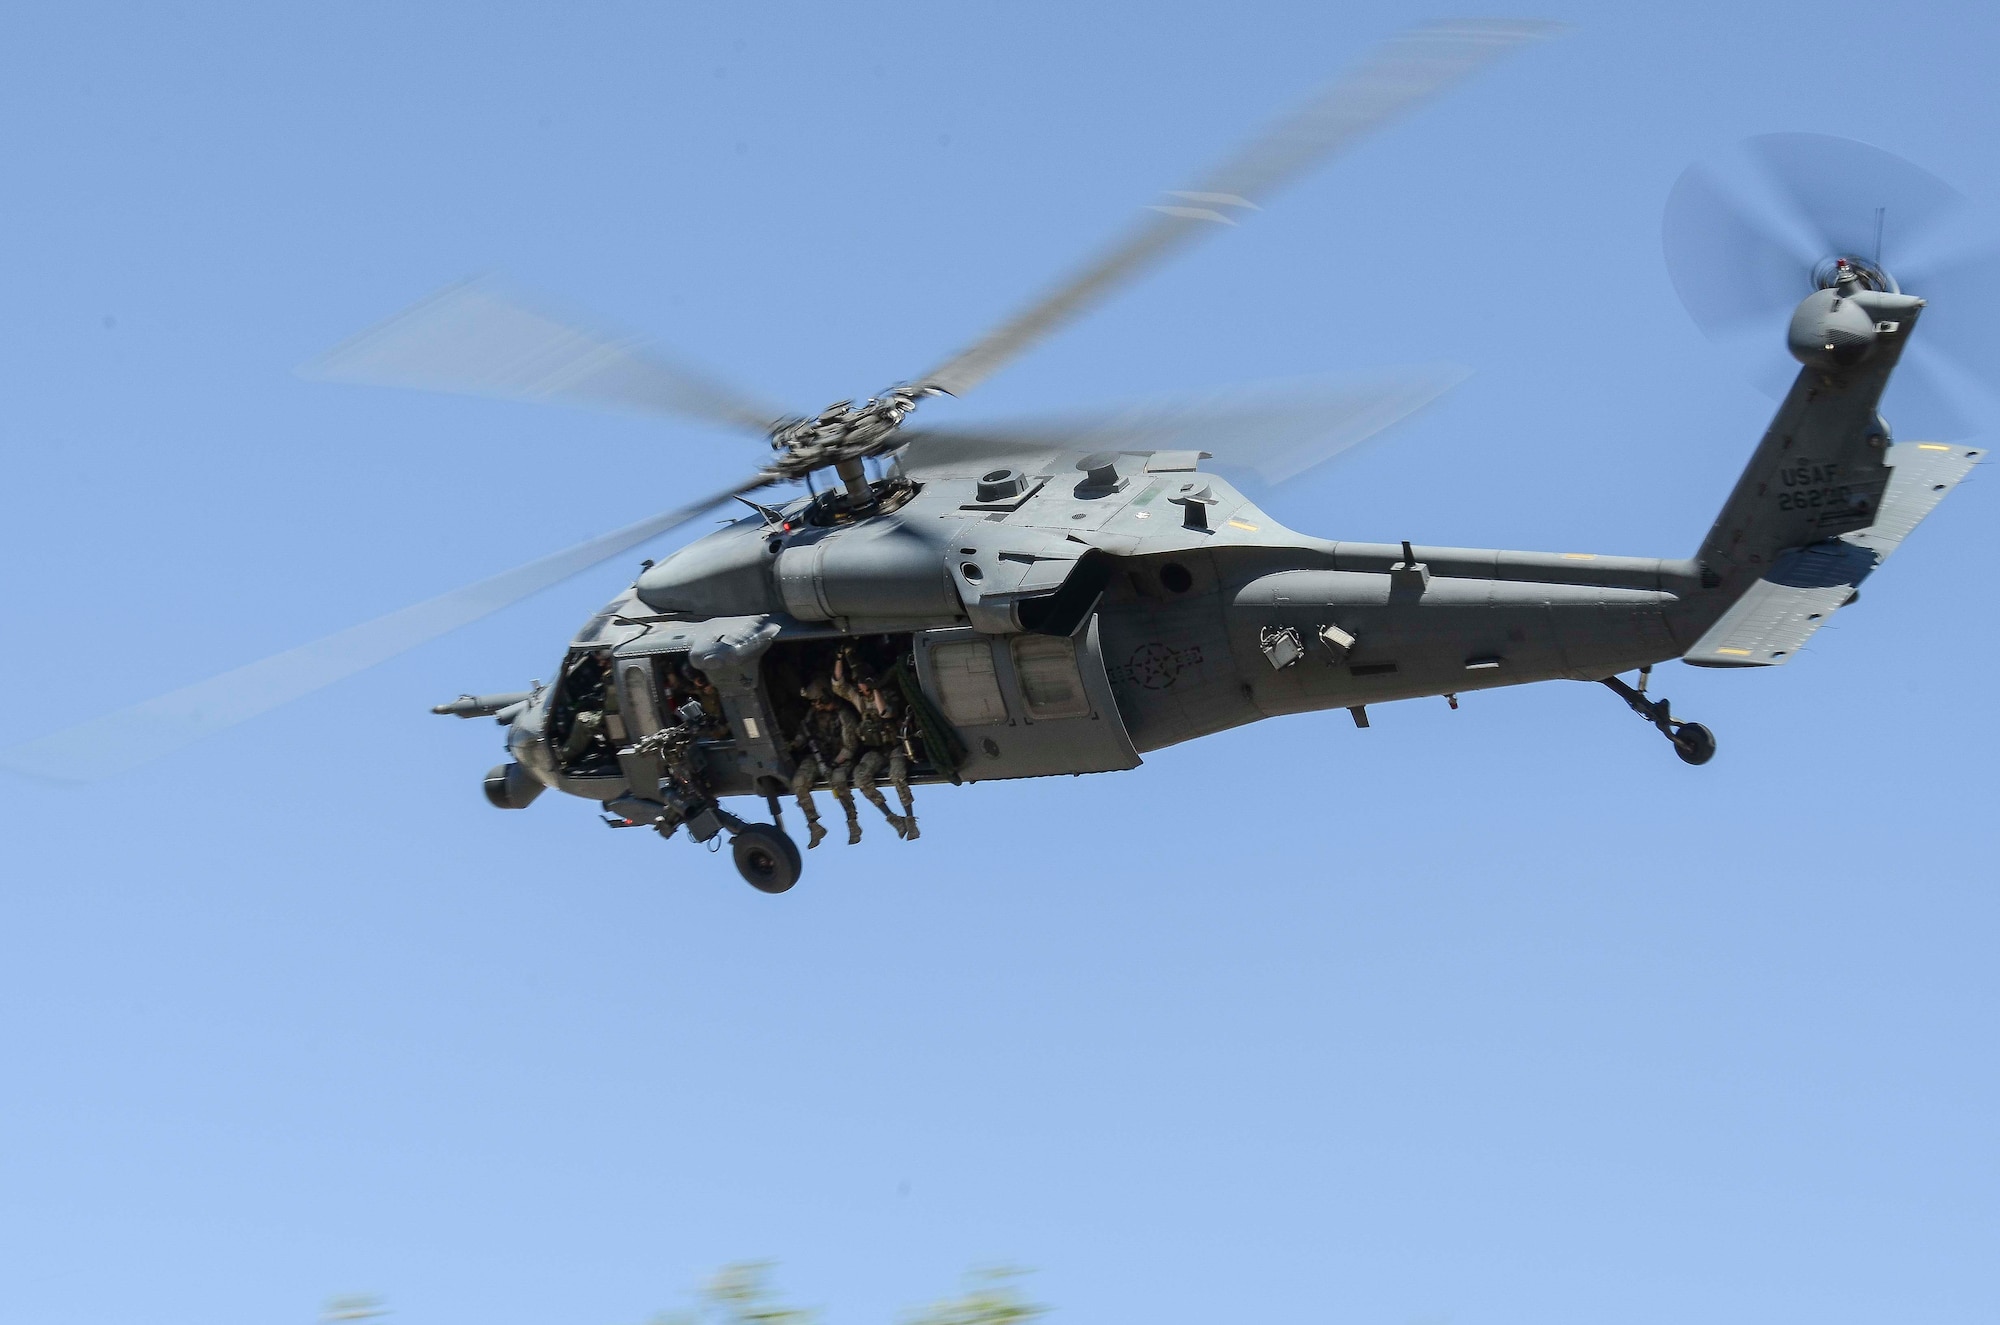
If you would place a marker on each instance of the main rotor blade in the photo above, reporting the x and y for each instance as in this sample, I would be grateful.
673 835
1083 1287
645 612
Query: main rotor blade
1398 78
1275 430
121 741
473 340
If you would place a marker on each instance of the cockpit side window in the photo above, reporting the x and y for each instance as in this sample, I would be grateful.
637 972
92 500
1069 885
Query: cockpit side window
586 726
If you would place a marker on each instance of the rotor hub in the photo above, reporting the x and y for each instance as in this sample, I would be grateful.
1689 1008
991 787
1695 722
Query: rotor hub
1870 275
843 434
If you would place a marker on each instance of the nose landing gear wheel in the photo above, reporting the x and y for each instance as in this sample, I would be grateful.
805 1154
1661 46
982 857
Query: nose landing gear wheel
766 857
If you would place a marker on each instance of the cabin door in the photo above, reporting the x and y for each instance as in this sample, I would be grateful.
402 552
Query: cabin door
1025 705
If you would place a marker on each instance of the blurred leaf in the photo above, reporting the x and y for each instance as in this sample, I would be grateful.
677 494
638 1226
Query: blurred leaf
739 1295
991 1297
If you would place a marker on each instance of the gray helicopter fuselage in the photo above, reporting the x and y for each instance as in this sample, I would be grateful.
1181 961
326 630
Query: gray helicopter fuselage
1066 621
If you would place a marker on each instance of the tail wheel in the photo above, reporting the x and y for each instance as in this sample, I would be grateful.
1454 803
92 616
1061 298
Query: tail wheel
1694 743
766 857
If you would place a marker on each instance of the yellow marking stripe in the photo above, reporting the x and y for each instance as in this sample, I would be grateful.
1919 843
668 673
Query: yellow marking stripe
1931 446
1741 653
1243 524
1579 556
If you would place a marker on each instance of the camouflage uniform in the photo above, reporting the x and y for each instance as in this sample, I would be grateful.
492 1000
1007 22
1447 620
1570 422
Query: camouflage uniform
826 744
847 671
882 737
695 683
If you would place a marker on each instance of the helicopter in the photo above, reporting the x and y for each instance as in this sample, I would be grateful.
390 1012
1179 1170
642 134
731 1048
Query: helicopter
1065 598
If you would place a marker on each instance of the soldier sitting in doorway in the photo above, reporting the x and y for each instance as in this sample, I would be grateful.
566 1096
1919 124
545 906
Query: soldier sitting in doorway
883 732
826 745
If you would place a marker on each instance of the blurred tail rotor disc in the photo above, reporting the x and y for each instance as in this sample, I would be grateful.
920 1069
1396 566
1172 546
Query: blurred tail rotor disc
1748 235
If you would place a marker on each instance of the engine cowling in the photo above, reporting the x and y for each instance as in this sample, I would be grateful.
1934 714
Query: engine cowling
877 569
727 573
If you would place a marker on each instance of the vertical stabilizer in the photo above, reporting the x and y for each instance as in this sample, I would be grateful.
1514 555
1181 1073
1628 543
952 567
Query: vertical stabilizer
1824 500
1821 469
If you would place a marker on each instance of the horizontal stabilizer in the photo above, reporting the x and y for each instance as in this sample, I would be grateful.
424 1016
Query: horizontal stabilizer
1805 586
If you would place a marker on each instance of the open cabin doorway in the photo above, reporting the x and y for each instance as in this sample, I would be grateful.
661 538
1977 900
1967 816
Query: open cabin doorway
789 666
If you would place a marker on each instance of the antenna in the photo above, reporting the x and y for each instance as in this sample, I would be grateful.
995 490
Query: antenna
1878 236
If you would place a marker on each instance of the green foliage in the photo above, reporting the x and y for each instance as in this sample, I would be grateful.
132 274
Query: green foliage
739 1295
742 1295
991 1297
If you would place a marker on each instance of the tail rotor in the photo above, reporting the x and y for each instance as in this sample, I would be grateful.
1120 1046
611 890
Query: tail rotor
1748 236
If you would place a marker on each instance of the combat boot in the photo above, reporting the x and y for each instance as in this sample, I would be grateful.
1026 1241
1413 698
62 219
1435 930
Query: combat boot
846 799
910 833
897 822
815 833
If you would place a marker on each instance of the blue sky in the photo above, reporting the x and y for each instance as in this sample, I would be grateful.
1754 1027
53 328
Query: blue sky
1490 1016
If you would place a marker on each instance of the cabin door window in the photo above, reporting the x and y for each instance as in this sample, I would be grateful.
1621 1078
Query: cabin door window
968 690
1051 686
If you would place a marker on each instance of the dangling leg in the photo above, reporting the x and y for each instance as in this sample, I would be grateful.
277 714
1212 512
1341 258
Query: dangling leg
841 779
899 777
865 772
802 789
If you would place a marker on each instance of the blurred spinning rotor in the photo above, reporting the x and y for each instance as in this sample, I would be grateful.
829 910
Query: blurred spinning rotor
474 338
1748 236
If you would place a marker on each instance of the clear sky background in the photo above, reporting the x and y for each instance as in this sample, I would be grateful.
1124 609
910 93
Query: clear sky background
1489 1017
